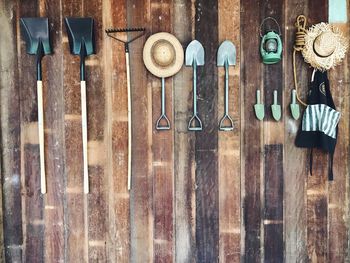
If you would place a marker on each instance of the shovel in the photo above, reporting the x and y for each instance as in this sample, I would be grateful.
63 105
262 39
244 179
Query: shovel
36 34
294 107
259 107
275 107
195 57
226 57
81 42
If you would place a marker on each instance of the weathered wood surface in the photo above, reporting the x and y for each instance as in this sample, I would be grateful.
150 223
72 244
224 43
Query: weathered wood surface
207 196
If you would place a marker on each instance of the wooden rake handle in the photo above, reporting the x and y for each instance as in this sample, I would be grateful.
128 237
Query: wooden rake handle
39 86
84 134
129 117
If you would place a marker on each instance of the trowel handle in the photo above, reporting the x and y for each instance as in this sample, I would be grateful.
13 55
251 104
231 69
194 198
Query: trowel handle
258 99
84 134
39 86
129 117
275 97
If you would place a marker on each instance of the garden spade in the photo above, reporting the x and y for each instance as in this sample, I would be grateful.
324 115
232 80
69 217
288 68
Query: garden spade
275 107
226 57
259 107
194 57
36 34
81 42
294 107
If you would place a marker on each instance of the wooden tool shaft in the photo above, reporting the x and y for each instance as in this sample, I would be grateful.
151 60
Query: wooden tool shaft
84 134
129 118
41 136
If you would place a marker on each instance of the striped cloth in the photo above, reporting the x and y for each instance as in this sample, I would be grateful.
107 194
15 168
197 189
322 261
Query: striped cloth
320 117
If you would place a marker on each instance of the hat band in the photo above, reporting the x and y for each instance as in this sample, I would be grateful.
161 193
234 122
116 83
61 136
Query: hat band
319 55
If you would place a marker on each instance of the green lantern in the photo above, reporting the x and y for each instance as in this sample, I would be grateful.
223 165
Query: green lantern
271 45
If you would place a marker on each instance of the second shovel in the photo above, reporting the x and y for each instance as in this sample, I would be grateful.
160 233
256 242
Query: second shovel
81 42
194 58
226 57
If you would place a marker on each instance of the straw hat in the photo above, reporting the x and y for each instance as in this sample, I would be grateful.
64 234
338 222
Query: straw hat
163 55
325 46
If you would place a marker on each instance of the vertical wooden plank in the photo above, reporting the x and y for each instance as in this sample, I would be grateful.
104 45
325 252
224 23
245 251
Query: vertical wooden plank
273 209
338 198
96 209
273 145
229 142
118 243
34 235
32 200
162 148
54 246
251 79
295 159
141 218
10 133
75 203
184 163
207 196
317 204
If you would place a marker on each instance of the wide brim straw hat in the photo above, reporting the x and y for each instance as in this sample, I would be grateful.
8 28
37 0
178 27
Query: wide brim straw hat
163 54
325 46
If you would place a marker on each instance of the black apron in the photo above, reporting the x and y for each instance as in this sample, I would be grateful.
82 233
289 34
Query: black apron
319 127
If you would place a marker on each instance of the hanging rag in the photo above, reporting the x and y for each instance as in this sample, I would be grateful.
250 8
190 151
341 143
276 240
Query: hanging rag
319 127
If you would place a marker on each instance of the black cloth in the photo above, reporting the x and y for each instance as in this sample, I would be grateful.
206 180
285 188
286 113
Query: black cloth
319 127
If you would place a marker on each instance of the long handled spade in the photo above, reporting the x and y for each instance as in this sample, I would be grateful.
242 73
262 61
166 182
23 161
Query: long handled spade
81 42
36 34
226 57
110 33
194 58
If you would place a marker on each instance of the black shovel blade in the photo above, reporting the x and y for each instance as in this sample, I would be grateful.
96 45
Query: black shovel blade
36 33
80 35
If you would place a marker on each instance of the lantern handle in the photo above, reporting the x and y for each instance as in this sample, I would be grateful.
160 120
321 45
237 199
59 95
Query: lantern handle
267 18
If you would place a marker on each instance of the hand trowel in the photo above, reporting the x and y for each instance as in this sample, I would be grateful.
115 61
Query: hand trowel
275 107
259 107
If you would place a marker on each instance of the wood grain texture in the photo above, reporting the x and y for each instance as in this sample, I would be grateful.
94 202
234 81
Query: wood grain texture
184 163
295 159
251 161
338 198
229 162
141 200
116 139
273 144
76 236
207 196
53 209
317 205
162 148
10 133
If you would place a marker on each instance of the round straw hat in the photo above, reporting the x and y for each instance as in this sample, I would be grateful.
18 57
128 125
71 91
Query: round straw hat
163 55
325 46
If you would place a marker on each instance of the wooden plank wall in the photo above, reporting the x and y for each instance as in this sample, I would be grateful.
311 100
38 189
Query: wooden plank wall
209 196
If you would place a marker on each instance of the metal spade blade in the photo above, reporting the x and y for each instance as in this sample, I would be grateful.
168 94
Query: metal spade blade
194 57
294 107
275 107
259 107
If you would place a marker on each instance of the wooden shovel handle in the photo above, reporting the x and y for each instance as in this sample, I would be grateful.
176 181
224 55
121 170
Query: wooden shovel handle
129 118
84 134
39 86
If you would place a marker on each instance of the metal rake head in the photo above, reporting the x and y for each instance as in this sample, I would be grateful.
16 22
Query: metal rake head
113 32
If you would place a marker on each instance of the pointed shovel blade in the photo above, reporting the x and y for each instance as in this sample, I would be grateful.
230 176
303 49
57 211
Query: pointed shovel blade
194 52
259 111
295 110
276 112
226 52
